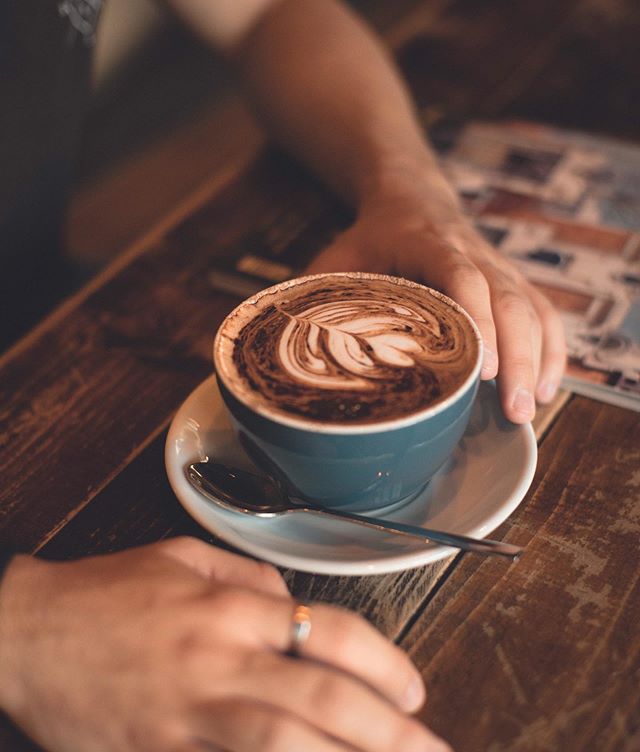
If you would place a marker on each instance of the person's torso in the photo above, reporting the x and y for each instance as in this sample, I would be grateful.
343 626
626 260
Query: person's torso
45 59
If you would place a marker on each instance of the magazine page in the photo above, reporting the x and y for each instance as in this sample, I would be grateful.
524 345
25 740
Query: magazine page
565 209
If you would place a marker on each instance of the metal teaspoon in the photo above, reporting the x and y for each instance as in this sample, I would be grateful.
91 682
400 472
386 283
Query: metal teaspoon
256 495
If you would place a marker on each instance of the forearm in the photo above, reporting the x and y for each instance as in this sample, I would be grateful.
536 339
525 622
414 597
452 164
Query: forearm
332 95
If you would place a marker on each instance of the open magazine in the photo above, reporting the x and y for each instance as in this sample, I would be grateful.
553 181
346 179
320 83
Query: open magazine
563 207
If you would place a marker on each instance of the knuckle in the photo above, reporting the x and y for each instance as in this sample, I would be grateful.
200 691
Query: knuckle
179 543
198 644
511 303
466 274
231 605
268 574
183 545
501 272
347 633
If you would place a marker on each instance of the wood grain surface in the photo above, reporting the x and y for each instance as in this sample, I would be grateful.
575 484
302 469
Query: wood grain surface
545 655
541 655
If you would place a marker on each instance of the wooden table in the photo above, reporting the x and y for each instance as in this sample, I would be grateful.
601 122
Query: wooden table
542 655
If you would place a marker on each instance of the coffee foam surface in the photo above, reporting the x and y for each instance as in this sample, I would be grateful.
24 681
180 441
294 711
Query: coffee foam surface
346 348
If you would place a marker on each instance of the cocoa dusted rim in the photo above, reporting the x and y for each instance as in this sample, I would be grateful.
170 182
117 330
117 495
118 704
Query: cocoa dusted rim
347 350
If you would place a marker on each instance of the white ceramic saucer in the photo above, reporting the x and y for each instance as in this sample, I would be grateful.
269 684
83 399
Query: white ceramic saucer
484 481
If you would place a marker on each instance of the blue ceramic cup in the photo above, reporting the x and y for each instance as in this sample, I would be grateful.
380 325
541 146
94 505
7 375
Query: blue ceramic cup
362 467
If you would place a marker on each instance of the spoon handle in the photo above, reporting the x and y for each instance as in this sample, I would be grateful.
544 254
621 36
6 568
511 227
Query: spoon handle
478 545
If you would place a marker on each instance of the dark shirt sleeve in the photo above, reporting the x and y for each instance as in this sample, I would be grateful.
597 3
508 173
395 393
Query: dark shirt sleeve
45 59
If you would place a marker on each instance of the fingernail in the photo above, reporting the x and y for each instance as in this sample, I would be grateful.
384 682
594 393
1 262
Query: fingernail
414 695
523 404
489 364
547 391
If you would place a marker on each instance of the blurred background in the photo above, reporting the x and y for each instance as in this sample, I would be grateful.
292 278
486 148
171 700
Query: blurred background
166 115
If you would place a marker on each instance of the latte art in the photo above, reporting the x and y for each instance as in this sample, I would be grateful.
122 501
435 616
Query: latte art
350 348
352 345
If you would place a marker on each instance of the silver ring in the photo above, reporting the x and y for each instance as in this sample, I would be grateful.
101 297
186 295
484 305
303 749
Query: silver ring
300 628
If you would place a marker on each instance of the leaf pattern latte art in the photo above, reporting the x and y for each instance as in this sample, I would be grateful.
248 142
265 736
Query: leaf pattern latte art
347 348
352 345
